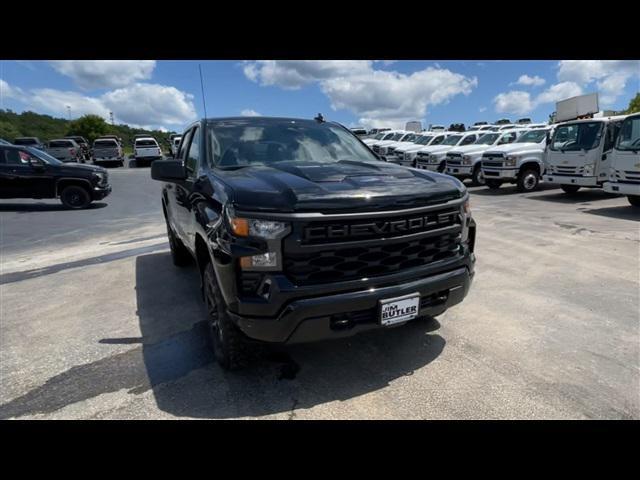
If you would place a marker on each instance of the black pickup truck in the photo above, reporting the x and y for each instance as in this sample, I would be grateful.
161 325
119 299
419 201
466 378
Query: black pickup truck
27 172
300 233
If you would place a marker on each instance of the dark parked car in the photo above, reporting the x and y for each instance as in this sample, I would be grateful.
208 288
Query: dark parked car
29 142
64 149
26 172
301 233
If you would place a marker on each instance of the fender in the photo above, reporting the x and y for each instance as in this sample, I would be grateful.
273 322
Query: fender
74 179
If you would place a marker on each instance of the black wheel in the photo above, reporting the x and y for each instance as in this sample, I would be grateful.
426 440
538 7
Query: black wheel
493 184
121 163
179 253
229 345
75 197
570 189
442 167
634 200
477 177
528 181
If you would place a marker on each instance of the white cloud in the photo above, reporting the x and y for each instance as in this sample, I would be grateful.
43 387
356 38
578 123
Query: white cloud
378 97
139 105
96 74
515 101
293 74
7 91
247 112
534 81
482 109
608 77
147 104
520 103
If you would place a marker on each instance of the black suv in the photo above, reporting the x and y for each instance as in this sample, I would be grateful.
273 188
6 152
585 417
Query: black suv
301 233
26 172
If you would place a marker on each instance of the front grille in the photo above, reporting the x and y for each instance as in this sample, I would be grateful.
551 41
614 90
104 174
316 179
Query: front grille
491 164
371 255
492 156
566 170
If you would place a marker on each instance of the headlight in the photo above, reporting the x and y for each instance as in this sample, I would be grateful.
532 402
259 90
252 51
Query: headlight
466 160
100 177
588 169
510 161
267 229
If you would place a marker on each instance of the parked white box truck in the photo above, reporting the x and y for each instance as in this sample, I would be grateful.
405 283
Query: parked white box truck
624 174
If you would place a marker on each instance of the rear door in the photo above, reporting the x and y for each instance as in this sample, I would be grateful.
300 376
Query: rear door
176 194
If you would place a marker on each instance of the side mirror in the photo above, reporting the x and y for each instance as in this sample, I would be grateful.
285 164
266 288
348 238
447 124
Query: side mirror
168 170
36 163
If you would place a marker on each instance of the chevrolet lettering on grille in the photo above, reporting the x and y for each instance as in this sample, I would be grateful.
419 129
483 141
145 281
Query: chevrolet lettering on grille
376 229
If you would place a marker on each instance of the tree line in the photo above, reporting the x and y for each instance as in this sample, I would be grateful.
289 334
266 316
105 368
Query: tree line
46 127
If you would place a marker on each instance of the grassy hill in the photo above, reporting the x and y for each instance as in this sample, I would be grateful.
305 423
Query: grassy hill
45 127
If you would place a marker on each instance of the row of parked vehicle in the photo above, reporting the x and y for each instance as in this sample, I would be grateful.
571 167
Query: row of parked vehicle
106 149
582 152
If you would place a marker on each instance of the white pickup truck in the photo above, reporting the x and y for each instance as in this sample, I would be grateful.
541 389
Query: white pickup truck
624 174
520 162
379 137
395 137
464 161
406 154
388 152
146 149
434 157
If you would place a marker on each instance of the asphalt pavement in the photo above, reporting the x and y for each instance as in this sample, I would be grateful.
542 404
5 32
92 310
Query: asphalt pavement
96 322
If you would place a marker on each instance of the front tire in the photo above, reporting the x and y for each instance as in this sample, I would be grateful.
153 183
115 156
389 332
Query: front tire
75 197
477 178
229 345
493 184
442 167
528 181
634 200
570 189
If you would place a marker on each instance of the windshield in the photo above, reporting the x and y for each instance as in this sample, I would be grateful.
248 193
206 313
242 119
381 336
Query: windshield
438 140
534 136
577 136
43 156
452 140
388 136
488 139
60 144
629 136
423 140
410 138
105 144
235 143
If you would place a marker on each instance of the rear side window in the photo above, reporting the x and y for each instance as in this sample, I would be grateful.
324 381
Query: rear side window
60 144
11 156
468 140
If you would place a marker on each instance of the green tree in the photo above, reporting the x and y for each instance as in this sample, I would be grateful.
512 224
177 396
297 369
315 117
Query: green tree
88 126
8 131
634 104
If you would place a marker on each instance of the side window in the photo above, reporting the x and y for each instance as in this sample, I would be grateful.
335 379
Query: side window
612 133
469 139
193 157
183 145
15 157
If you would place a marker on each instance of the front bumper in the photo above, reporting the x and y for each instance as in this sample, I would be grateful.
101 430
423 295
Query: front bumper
459 171
622 188
501 173
99 192
572 180
433 167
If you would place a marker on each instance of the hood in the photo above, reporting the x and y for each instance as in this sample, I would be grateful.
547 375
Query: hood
399 144
471 149
410 148
336 187
81 167
517 147
437 148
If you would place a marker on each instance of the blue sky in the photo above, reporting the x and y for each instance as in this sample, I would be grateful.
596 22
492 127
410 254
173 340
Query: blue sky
167 94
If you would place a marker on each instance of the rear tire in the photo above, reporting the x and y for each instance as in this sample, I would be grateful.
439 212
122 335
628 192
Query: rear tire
477 177
179 253
528 181
634 200
570 189
493 184
75 197
229 344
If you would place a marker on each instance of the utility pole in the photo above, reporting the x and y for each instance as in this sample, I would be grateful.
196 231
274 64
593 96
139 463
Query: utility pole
111 117
69 112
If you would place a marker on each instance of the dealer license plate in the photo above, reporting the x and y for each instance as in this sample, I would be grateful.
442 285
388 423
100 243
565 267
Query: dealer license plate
400 309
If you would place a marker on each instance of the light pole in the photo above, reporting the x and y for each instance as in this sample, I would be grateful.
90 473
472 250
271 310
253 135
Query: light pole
111 117
69 112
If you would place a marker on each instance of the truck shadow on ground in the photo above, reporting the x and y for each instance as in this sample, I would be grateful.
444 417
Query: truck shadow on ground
172 358
186 381
43 207
624 212
584 195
